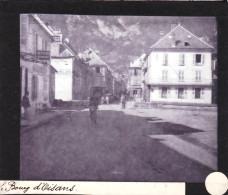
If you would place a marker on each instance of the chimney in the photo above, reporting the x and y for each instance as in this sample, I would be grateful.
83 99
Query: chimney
173 25
57 34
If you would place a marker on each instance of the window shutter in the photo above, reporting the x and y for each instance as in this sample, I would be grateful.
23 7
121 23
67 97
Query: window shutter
203 59
202 92
194 59
193 93
185 93
168 92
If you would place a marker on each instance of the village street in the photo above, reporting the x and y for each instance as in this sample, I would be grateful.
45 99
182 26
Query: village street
126 145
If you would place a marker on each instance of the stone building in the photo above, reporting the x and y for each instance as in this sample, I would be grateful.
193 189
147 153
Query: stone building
35 70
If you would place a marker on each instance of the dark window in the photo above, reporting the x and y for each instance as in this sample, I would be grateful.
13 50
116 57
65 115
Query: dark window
134 92
98 70
164 92
186 43
197 93
180 93
198 58
135 71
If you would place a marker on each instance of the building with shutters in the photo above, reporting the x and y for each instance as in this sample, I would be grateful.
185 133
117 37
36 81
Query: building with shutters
135 77
36 72
179 69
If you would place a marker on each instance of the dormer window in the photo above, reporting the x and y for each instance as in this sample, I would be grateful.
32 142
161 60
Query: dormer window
186 43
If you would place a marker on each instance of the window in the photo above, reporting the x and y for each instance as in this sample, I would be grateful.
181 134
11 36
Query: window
197 93
198 75
181 75
164 75
181 59
198 59
164 92
180 93
34 87
98 70
186 43
135 71
165 59
36 42
134 92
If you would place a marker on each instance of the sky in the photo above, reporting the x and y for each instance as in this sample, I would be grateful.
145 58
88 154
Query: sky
122 39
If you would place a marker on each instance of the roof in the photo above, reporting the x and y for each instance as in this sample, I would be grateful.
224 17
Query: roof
92 58
181 38
139 62
66 51
41 23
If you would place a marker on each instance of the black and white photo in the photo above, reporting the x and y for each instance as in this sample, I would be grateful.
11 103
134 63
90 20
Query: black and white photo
118 98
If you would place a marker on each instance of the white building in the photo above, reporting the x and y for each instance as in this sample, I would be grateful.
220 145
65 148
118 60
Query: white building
62 60
179 69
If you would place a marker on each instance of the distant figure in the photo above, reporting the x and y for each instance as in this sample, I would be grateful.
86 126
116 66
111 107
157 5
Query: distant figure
102 100
123 101
93 106
25 104
107 99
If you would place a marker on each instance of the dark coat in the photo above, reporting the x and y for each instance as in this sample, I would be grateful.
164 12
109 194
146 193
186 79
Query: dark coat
25 102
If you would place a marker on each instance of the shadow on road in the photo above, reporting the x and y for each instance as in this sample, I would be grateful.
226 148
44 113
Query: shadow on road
117 149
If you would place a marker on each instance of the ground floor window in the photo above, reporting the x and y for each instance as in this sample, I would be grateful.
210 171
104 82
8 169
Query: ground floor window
164 92
180 93
197 93
134 92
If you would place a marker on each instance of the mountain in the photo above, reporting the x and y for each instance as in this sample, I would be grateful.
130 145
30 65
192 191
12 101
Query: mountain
118 40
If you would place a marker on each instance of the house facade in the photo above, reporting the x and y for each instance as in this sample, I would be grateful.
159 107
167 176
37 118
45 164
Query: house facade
62 59
100 76
35 68
178 69
135 77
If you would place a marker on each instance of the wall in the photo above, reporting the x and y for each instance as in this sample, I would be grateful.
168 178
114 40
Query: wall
63 78
155 68
189 95
41 69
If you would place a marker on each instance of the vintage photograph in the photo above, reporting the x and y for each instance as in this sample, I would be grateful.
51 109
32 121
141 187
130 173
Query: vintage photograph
118 98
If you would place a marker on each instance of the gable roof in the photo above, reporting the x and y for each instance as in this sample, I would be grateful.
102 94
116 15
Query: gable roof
178 37
138 62
92 58
41 23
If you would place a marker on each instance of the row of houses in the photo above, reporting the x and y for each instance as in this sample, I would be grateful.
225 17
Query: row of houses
178 68
51 69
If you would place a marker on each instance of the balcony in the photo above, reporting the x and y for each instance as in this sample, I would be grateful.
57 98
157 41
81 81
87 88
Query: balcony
43 55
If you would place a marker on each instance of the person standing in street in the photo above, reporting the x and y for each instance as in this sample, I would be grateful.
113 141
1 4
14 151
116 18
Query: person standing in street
93 106
107 99
123 101
25 104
